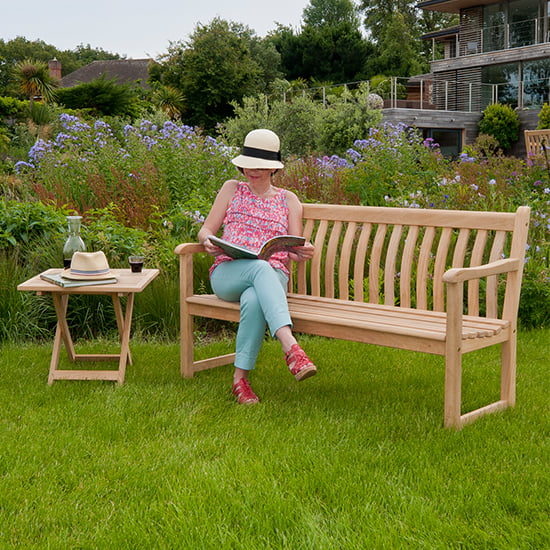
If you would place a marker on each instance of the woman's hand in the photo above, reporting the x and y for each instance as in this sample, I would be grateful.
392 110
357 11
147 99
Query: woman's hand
210 248
302 253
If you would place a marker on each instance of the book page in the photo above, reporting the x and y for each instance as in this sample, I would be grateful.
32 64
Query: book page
280 243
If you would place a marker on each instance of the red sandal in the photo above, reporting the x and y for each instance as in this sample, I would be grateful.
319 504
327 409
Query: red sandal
299 363
244 394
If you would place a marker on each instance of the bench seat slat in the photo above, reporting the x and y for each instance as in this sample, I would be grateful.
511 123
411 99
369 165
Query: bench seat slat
427 324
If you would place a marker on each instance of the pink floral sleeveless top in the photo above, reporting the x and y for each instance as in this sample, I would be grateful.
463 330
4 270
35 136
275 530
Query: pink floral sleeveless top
251 220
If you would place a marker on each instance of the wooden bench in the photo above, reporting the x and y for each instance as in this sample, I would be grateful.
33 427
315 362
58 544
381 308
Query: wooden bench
395 277
536 142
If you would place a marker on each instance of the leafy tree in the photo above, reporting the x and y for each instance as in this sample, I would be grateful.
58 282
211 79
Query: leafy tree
34 80
289 46
323 13
85 54
336 53
19 49
265 54
102 97
379 13
213 69
398 51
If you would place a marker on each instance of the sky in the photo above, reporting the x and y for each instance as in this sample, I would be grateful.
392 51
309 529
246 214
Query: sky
138 29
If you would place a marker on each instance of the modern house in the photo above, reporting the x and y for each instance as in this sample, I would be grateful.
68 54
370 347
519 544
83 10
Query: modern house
499 52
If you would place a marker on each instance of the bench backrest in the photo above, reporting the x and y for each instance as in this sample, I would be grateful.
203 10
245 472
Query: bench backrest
536 141
397 256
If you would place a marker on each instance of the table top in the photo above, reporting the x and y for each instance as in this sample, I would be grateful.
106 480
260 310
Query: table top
128 282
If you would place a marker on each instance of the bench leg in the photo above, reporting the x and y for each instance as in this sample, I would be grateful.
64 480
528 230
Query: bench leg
453 356
186 344
508 371
453 389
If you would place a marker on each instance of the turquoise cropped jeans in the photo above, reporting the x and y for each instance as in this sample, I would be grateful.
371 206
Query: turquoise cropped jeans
261 291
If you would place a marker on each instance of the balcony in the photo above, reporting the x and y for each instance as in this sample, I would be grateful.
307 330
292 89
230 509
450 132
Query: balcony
433 93
462 41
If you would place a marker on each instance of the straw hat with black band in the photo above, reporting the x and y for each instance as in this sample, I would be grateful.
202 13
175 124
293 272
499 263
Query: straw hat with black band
262 149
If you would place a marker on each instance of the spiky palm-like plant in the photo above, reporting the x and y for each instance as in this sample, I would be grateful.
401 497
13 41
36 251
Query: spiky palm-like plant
35 80
170 100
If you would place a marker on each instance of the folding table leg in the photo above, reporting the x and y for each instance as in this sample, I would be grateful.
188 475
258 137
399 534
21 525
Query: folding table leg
62 334
125 337
120 319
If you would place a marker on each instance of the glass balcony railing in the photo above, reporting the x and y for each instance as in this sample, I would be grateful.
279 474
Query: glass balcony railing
446 95
434 93
495 38
515 35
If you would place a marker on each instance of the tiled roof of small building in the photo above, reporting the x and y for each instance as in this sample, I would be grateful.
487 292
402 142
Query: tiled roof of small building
124 70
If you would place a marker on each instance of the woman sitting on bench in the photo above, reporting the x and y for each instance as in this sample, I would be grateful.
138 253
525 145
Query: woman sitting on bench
252 212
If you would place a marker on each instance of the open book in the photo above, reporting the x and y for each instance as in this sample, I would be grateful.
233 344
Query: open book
270 247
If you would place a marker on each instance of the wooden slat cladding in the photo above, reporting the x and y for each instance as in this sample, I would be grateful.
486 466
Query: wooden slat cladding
471 23
459 90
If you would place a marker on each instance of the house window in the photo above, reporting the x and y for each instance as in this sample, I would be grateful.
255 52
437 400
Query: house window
452 48
536 83
505 80
523 22
449 140
494 27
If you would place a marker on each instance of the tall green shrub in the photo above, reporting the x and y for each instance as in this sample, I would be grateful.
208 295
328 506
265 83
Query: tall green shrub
501 122
306 125
544 117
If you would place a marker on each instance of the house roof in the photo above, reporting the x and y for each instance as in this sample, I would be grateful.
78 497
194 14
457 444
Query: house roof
452 6
123 70
441 34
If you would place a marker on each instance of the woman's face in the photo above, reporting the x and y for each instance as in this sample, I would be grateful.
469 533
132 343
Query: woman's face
258 175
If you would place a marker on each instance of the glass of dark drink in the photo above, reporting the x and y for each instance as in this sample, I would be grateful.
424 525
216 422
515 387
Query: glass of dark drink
136 263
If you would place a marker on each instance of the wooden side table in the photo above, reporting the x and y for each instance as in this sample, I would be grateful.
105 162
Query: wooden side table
128 284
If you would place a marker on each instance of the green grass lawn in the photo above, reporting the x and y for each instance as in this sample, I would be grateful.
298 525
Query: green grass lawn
355 457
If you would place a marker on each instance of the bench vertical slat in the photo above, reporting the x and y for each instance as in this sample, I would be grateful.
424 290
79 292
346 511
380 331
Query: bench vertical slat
440 267
460 248
422 268
319 244
301 267
374 268
476 260
406 266
345 257
389 267
359 267
330 259
491 297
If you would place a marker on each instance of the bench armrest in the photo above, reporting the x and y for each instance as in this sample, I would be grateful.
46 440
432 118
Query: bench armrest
188 248
460 274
